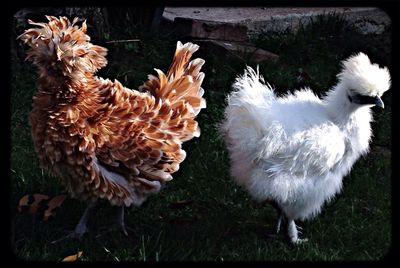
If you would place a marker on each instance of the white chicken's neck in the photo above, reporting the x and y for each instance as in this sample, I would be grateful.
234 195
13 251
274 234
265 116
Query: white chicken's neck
354 122
345 114
352 119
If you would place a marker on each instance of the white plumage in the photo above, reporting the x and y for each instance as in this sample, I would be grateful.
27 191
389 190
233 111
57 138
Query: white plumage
294 150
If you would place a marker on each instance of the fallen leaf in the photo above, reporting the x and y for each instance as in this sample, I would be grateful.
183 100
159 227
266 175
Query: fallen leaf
30 203
180 203
53 204
73 257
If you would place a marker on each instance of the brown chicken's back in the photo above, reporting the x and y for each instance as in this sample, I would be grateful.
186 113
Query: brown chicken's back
102 139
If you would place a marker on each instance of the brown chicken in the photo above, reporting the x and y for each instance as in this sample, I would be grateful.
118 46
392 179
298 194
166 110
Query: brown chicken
103 140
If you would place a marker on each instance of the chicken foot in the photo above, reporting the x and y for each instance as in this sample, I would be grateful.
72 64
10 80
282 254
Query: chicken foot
292 229
118 225
81 227
293 233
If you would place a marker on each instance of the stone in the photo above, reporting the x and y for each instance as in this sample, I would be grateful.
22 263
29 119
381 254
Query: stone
245 51
210 30
255 20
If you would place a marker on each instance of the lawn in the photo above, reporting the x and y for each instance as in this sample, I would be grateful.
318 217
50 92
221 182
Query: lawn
202 214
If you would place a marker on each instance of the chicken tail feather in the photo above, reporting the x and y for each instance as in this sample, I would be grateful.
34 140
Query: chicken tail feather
181 88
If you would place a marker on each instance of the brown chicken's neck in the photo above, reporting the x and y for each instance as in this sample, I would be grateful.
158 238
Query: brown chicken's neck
72 83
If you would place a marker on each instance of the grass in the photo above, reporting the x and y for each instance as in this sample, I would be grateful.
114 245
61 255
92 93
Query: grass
221 223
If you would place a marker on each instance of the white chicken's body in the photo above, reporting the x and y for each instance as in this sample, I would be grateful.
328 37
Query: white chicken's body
294 150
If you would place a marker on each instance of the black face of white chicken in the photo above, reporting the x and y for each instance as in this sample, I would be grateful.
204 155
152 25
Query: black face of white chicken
295 150
367 100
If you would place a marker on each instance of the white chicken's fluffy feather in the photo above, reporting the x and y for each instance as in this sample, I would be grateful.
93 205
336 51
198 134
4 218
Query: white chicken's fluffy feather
296 149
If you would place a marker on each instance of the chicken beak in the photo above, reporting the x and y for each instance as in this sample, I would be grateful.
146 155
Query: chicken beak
379 102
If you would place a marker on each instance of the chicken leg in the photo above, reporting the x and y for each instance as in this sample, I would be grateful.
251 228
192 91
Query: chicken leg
118 225
293 233
120 220
280 214
289 224
81 227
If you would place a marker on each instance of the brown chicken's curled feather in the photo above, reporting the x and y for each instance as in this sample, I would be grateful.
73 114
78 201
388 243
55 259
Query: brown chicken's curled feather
102 139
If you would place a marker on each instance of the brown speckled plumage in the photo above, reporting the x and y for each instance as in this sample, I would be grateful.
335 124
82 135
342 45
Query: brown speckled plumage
102 139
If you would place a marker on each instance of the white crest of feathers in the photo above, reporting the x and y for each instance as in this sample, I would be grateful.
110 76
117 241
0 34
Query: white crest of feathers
363 77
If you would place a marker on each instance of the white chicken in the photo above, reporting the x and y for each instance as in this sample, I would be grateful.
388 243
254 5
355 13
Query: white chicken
295 150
